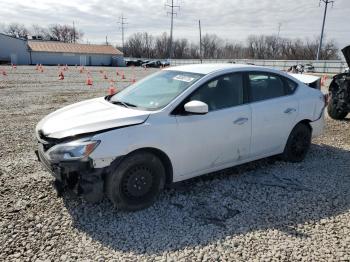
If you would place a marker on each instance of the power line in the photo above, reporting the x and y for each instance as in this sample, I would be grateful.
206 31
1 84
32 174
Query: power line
122 24
172 13
324 20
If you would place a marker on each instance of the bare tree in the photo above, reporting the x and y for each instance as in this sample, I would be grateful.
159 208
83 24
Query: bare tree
40 32
64 33
181 48
17 30
161 46
211 45
256 47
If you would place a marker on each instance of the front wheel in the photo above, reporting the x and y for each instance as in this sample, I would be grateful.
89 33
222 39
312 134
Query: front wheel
298 143
136 182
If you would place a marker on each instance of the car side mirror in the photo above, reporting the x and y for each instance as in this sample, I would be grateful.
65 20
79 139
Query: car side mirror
196 107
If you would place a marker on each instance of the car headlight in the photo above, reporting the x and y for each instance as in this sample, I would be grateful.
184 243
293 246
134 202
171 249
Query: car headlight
75 150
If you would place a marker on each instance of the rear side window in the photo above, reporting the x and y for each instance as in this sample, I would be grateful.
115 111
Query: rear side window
291 86
265 86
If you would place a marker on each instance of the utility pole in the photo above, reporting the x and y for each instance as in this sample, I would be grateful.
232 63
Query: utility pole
278 39
279 30
200 40
122 24
172 13
106 39
324 20
73 32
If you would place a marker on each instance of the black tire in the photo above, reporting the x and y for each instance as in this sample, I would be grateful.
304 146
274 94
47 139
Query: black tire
136 182
298 143
334 112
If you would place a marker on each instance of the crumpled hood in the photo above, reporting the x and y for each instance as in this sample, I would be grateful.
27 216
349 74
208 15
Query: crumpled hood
346 53
88 116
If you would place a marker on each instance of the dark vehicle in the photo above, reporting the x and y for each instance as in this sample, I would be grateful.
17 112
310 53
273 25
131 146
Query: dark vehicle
165 63
137 62
309 68
156 64
296 69
339 91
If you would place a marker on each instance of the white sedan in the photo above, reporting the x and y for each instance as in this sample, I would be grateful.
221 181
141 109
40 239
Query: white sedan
176 124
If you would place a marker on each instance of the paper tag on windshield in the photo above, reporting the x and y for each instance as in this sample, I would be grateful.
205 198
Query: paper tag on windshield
183 78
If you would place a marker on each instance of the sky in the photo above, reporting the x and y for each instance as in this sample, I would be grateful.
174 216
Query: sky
231 20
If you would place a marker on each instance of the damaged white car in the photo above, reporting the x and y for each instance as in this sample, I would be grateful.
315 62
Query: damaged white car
176 124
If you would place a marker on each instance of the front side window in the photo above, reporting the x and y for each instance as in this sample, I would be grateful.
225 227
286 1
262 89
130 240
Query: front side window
265 86
157 90
222 92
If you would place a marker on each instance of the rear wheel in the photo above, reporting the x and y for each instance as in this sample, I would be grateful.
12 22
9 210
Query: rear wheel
298 143
136 182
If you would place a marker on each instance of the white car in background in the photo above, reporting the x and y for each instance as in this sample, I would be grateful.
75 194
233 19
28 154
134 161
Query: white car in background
176 124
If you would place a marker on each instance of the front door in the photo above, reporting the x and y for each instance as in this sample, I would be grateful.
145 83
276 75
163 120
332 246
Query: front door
219 138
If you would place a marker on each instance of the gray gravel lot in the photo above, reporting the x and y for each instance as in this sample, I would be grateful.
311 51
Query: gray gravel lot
267 210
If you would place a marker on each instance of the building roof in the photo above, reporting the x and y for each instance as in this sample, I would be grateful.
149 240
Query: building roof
60 47
22 39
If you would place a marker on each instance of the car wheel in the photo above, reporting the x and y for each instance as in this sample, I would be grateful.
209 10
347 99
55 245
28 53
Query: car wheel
335 112
136 182
298 143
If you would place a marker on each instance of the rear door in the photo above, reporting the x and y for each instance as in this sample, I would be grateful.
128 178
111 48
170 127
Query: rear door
274 111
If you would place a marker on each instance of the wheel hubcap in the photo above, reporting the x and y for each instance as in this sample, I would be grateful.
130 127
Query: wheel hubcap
138 182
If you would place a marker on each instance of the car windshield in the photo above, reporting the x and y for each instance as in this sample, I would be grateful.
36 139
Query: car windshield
156 91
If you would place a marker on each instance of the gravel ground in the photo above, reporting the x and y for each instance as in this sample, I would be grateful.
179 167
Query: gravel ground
267 210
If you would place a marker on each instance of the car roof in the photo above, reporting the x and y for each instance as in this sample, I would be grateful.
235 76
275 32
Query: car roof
210 68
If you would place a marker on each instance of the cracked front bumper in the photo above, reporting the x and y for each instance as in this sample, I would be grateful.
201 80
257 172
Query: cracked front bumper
78 176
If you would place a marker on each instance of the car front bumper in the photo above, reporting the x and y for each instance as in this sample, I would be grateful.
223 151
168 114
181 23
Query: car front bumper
78 176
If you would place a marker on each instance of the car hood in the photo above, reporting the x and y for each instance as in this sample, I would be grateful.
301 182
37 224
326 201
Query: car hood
88 116
346 53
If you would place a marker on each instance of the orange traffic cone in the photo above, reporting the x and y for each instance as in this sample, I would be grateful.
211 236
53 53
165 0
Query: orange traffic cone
81 70
323 80
112 89
89 81
61 76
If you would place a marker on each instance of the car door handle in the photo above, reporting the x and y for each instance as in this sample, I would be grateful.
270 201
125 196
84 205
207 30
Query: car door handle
289 110
240 121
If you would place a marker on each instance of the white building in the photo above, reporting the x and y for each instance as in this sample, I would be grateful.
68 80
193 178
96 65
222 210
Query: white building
30 52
